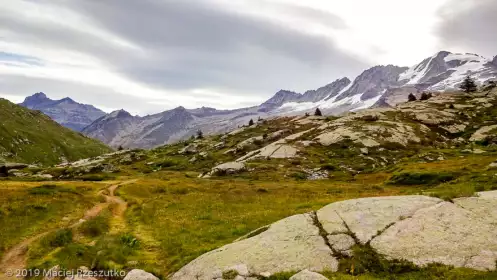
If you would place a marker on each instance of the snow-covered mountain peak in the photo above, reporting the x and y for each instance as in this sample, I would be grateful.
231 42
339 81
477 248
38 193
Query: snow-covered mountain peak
446 70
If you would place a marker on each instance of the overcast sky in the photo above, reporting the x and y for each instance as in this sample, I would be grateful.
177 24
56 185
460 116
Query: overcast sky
151 55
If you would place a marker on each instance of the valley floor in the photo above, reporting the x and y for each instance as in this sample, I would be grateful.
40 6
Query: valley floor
161 221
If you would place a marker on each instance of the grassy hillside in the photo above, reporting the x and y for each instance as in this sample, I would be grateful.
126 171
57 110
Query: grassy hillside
31 137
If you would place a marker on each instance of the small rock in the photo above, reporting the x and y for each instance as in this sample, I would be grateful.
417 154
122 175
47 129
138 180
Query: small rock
138 274
364 151
265 274
493 165
308 275
228 168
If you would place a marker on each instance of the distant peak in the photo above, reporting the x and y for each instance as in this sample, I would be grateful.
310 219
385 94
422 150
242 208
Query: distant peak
67 99
120 114
442 53
39 95
35 99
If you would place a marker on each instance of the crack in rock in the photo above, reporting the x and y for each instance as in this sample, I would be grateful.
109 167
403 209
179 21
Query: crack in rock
322 232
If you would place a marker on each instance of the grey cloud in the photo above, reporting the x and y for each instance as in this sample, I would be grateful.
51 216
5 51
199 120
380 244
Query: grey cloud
198 44
470 25
56 89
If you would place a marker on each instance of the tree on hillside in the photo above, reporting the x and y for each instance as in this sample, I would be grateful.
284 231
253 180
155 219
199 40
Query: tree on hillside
411 97
425 96
120 148
200 134
251 122
318 112
469 85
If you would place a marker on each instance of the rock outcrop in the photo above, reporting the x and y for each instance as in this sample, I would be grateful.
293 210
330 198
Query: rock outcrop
418 229
483 133
227 168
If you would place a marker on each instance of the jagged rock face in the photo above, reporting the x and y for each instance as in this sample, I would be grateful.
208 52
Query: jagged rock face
419 229
328 91
374 81
494 62
121 129
110 128
66 111
280 98
446 70
283 96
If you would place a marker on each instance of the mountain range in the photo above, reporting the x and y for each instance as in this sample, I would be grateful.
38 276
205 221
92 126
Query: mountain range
66 111
378 86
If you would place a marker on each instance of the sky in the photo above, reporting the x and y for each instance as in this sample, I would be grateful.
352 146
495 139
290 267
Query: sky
148 56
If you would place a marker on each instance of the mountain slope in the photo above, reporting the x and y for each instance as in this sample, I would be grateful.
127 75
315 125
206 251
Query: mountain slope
66 111
445 71
379 86
31 137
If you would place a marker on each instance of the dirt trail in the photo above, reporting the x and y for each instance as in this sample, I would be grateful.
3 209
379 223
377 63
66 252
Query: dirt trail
16 257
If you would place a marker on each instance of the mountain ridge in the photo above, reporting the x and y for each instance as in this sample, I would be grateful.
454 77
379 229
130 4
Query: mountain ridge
378 86
65 111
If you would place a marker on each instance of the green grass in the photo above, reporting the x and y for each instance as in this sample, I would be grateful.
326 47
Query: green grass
97 225
28 208
38 139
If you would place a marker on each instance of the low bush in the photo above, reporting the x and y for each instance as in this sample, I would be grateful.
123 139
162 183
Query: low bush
299 175
421 178
59 238
366 260
96 226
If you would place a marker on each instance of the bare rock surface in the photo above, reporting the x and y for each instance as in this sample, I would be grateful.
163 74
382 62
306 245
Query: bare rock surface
292 244
365 217
444 233
419 229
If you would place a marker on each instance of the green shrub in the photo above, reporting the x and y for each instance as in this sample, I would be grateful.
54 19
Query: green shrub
96 226
94 177
329 167
299 175
479 188
59 238
366 260
230 274
129 240
419 178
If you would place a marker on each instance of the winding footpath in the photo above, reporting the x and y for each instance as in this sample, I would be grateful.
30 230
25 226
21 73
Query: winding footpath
16 257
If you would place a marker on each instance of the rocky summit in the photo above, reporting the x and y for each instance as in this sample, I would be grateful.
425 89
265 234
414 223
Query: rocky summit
65 111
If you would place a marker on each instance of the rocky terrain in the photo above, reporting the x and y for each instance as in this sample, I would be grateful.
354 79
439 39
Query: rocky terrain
379 86
400 192
66 111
